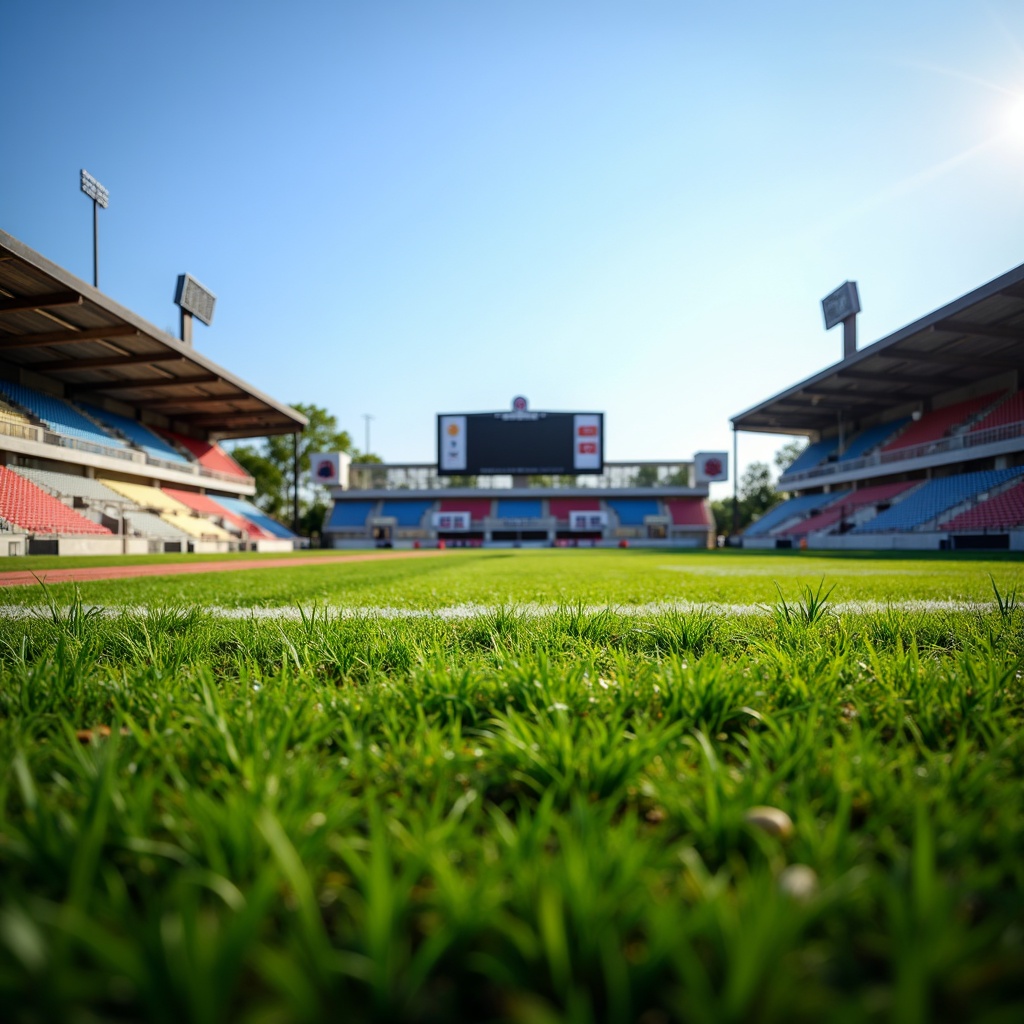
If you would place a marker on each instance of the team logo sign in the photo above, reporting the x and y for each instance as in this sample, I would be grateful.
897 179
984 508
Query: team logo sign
519 404
710 467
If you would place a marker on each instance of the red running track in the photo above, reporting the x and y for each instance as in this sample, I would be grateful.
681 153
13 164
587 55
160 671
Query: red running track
85 574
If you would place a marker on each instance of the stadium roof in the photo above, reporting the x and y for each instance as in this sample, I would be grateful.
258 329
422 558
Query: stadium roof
56 325
976 337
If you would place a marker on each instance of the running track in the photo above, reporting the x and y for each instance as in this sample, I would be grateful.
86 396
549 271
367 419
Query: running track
85 574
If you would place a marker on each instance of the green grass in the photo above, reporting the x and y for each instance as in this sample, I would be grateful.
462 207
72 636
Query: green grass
547 576
520 818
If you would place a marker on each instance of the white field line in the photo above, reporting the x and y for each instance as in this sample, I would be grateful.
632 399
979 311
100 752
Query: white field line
467 611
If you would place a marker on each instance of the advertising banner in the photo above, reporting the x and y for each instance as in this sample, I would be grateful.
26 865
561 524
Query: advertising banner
710 467
452 441
587 522
330 469
451 522
587 454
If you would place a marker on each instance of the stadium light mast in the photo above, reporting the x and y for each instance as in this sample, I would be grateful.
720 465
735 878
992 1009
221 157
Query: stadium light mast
193 300
100 197
368 417
842 307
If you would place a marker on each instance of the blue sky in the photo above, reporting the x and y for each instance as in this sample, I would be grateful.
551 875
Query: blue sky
407 208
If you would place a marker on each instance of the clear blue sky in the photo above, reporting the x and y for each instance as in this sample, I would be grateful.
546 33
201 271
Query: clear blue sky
413 207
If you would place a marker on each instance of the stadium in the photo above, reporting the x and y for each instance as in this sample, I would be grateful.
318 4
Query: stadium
608 776
110 431
109 428
916 442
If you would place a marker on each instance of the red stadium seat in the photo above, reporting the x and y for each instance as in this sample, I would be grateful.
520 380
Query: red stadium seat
29 507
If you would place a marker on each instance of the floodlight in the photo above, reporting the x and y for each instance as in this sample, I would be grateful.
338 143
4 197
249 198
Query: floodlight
842 307
843 303
194 298
94 190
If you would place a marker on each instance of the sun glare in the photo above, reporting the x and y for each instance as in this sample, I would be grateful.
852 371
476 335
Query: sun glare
1013 120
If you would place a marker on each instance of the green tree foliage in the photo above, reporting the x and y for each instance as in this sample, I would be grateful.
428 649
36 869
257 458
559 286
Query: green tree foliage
270 461
788 453
757 494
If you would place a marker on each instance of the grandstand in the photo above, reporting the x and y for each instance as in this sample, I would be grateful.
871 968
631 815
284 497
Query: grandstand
109 427
915 442
640 504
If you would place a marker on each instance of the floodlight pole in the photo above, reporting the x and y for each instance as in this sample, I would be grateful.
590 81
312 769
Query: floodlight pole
295 482
367 416
95 244
186 326
100 197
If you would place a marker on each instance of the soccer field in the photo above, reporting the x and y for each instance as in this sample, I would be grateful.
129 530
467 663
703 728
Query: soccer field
517 786
612 578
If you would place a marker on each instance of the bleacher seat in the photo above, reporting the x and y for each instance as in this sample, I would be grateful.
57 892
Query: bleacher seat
934 498
29 507
689 512
207 506
846 507
1005 511
935 425
519 508
145 496
1010 411
406 513
478 508
67 485
860 444
208 454
801 505
59 416
148 524
812 455
631 511
349 515
561 507
249 511
137 433
10 415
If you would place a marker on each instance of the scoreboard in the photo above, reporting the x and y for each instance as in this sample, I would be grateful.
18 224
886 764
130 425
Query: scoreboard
520 442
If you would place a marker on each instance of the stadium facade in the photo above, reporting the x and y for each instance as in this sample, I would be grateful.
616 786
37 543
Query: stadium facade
915 442
109 427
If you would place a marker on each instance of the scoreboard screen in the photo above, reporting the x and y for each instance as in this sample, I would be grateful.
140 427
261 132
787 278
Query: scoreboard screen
520 442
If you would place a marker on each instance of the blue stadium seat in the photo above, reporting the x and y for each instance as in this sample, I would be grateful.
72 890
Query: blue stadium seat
58 415
801 505
249 511
349 514
631 511
871 438
519 508
406 513
812 455
934 498
138 433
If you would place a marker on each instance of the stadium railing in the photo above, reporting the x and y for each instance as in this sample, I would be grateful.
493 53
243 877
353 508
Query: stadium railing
125 454
30 432
957 442
25 431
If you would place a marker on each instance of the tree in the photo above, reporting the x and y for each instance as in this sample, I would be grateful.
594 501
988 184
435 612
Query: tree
271 463
646 476
789 453
757 494
271 485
